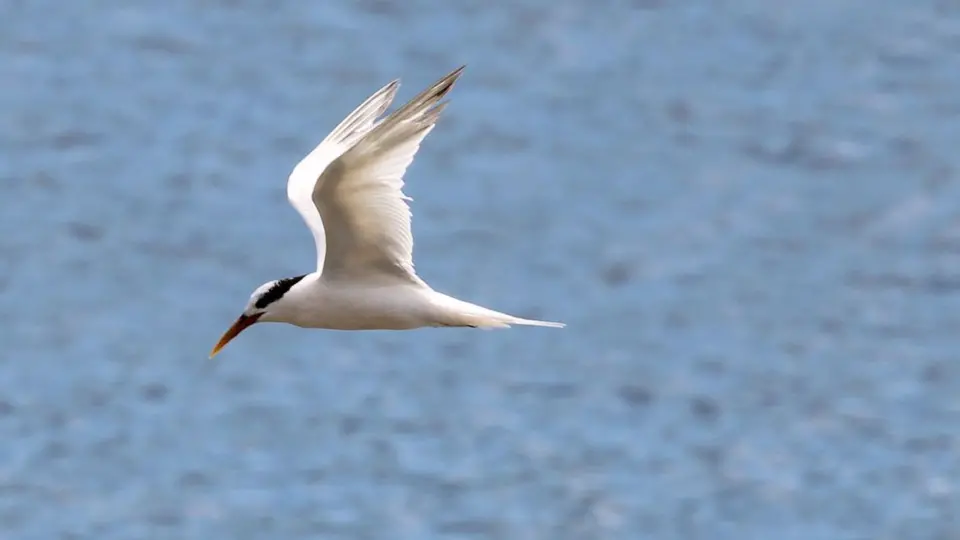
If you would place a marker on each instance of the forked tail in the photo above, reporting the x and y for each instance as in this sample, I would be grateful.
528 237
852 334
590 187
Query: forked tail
455 312
534 322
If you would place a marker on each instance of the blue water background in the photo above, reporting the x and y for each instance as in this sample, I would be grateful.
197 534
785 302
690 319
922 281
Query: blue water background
747 211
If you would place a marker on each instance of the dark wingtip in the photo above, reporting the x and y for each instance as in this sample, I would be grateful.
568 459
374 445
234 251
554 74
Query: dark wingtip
447 82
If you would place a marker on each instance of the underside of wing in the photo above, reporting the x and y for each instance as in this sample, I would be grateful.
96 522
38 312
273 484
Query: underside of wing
360 194
304 177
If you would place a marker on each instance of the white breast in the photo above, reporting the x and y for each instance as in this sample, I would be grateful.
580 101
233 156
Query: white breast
359 306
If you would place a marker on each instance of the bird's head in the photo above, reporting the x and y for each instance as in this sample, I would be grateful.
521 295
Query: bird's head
264 300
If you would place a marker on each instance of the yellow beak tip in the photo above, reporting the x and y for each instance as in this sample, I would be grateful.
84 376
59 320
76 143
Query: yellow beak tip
240 325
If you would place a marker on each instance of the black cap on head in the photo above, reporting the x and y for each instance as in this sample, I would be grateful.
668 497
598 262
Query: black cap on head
277 291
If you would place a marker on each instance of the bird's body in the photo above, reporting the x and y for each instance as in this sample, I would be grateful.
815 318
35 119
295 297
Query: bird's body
357 306
371 305
349 192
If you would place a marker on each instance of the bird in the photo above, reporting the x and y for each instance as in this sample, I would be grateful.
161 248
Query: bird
349 192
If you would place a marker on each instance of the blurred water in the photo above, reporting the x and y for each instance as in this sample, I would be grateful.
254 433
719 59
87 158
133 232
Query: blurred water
746 211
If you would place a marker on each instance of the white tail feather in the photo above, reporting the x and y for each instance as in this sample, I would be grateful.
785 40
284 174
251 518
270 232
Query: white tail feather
455 312
534 322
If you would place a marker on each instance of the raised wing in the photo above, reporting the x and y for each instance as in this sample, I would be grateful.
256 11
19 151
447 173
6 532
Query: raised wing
304 177
360 197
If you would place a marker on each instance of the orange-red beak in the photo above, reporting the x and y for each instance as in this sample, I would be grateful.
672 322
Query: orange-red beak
241 324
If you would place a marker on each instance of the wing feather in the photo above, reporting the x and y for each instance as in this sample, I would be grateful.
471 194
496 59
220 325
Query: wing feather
360 193
304 177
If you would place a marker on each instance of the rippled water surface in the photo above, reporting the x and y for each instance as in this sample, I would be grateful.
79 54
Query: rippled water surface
747 211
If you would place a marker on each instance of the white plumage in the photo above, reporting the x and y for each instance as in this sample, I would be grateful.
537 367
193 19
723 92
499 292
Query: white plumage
349 191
